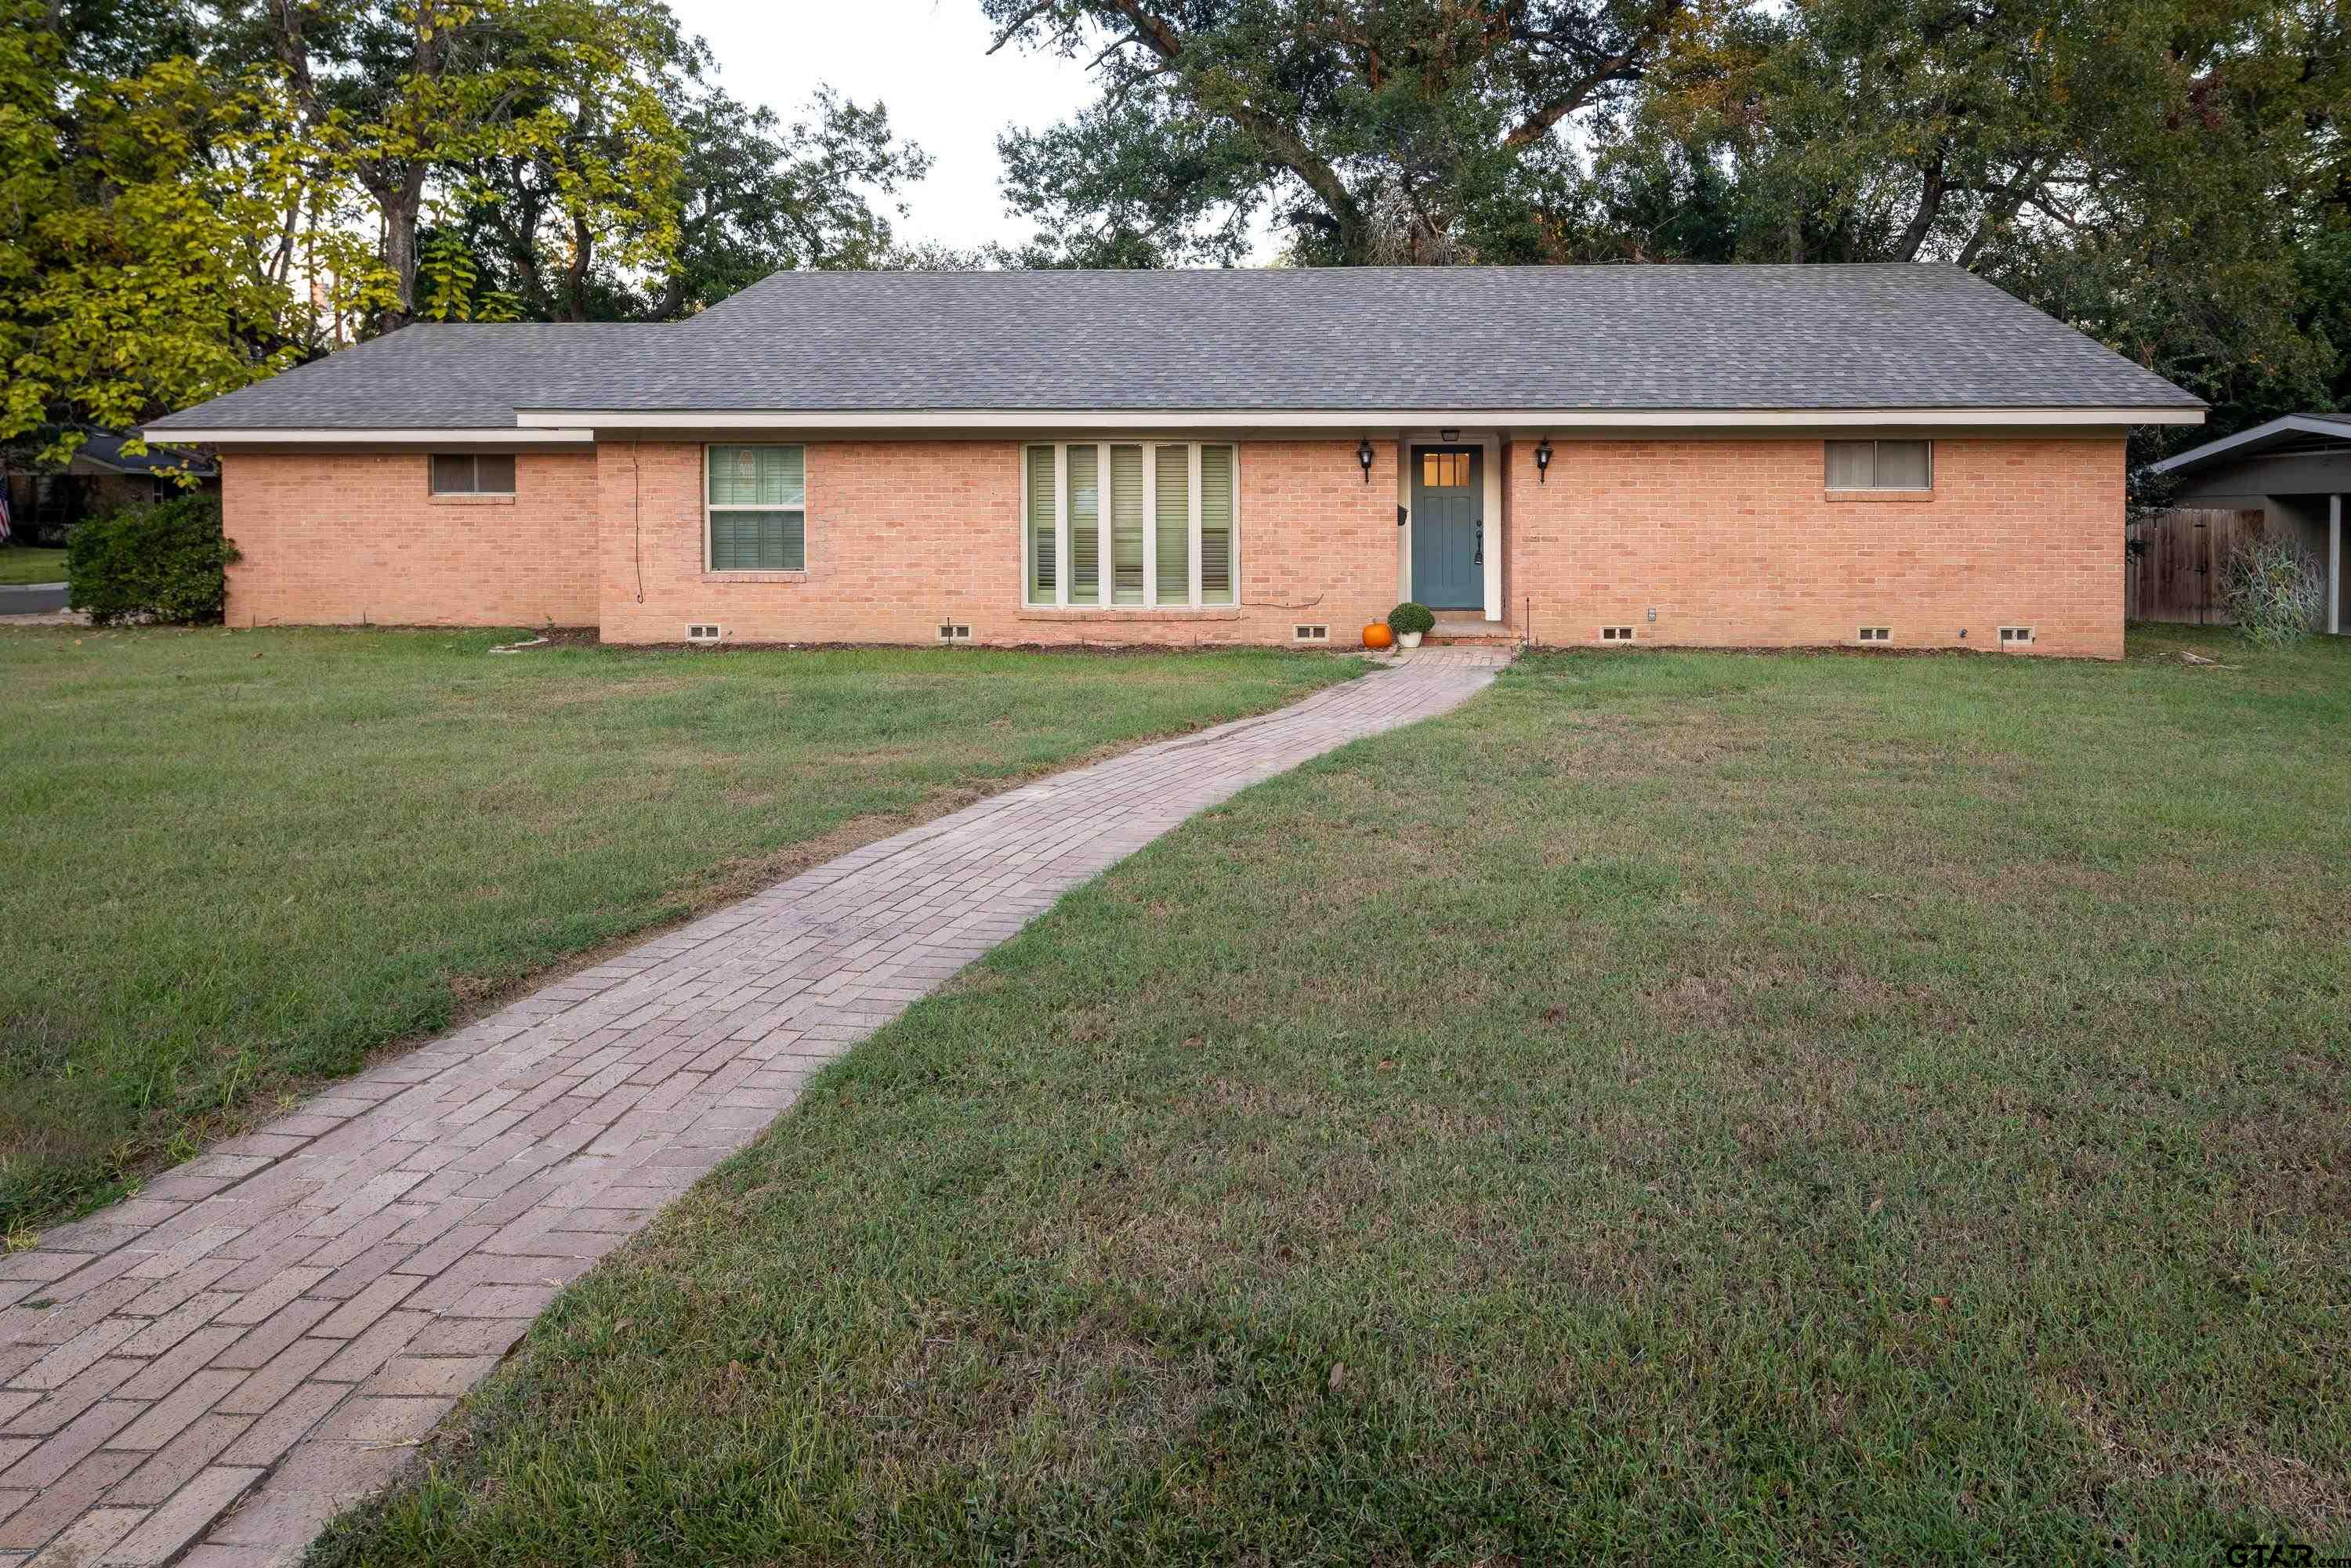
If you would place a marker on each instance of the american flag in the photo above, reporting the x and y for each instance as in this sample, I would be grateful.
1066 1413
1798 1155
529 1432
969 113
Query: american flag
3 511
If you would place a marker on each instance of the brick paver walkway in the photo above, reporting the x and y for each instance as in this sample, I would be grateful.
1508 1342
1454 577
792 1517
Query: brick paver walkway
261 1336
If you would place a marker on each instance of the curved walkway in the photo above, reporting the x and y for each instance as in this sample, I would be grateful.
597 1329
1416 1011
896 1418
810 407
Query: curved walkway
263 1334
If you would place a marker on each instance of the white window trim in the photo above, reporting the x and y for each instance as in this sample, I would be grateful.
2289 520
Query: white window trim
432 462
709 565
1063 567
1875 443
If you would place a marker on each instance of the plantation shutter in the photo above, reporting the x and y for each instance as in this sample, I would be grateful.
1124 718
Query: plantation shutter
1173 521
1215 524
1126 524
1085 525
1041 579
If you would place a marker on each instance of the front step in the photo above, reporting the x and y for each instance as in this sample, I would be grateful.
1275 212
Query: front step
1470 631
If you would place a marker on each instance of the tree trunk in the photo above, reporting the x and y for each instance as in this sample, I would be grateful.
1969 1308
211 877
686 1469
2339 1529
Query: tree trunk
401 203
1932 186
575 277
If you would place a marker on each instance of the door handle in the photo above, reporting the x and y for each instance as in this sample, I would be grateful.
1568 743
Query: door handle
1479 558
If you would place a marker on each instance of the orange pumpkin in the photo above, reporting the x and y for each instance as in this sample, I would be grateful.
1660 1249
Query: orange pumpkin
1377 635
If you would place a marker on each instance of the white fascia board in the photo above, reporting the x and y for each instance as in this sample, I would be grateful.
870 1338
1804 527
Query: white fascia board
1341 419
471 436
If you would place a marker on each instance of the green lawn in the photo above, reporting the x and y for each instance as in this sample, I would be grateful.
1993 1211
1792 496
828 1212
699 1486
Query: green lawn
23 563
1682 1107
240 862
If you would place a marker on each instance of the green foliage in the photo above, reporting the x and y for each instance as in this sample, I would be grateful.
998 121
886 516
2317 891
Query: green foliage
1410 617
394 826
167 562
1400 131
1684 1110
146 221
2275 590
2165 174
755 196
190 199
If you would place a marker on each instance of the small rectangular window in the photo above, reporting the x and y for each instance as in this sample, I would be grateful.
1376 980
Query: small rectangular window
1880 465
756 516
473 473
1876 634
2015 636
1444 470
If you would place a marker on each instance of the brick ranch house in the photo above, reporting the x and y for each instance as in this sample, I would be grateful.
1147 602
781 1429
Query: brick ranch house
1740 456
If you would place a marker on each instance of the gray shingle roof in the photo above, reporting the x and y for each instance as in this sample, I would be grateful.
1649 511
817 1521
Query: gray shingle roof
1621 338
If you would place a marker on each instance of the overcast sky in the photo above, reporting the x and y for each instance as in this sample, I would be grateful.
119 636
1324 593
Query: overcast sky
928 61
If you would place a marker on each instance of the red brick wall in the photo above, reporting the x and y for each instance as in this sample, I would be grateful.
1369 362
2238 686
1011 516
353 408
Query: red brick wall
905 535
346 538
1735 543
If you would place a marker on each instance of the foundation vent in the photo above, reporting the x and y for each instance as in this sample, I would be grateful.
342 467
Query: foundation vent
700 633
2015 636
1615 633
951 632
1312 634
1876 634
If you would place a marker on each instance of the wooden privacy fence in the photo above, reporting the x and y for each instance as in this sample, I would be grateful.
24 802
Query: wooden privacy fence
2173 569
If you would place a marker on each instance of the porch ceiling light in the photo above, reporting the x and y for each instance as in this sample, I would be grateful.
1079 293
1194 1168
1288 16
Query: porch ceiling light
1364 456
1448 436
1543 461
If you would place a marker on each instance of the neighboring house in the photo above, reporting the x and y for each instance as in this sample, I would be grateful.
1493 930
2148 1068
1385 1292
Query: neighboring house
101 477
1746 456
2296 471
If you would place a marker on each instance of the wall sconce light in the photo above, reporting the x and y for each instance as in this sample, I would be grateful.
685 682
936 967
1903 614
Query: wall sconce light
1364 456
1448 436
1543 461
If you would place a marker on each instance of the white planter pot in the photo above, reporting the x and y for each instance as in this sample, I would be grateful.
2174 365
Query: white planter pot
1409 639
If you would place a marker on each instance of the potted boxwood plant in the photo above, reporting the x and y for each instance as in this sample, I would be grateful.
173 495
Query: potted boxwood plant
1408 621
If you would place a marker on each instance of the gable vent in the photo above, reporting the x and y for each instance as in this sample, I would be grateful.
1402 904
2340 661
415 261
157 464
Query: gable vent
701 633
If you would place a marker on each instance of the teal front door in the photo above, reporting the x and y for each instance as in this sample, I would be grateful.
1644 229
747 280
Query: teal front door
1449 503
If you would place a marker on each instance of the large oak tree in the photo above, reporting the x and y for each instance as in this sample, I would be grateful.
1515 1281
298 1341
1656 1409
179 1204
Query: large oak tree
1415 131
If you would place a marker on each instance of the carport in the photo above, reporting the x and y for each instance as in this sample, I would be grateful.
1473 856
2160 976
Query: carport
2294 470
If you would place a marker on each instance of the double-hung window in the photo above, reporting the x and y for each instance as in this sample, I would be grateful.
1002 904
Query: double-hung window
1141 524
1881 465
756 508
